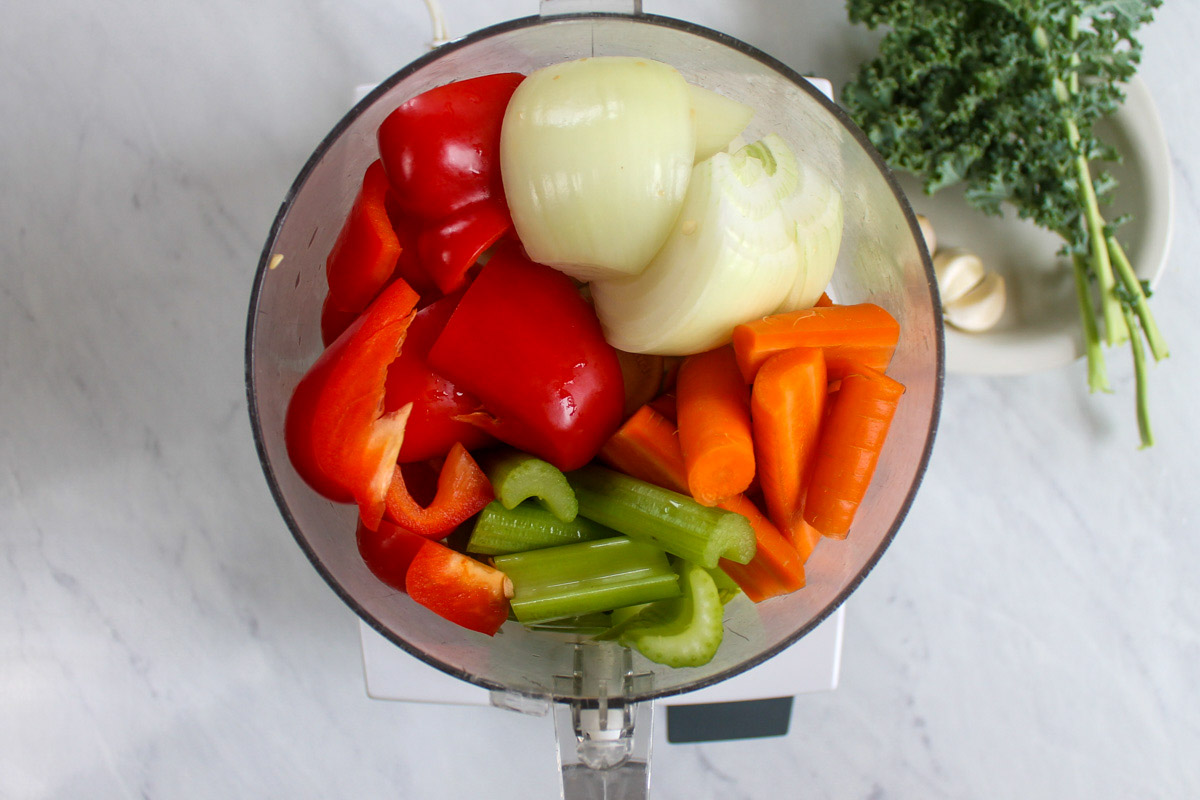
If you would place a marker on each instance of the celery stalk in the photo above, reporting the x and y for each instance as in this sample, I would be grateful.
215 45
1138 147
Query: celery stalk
576 579
517 477
684 631
499 530
672 521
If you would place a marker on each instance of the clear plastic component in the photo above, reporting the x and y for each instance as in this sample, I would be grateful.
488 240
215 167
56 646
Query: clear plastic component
880 261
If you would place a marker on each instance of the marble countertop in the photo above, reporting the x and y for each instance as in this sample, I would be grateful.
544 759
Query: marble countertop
1033 632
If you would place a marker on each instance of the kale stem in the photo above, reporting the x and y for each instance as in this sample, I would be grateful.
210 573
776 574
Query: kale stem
1097 370
1139 374
1115 329
1129 279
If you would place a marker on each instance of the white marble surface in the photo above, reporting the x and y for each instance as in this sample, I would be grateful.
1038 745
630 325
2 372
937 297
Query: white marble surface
1034 632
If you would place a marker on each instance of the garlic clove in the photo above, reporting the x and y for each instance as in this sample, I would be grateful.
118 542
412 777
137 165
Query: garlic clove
981 307
958 271
928 234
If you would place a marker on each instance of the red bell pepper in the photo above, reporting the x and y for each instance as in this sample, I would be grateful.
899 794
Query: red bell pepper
388 552
334 321
441 152
433 426
459 588
462 491
448 583
530 348
338 436
449 249
364 256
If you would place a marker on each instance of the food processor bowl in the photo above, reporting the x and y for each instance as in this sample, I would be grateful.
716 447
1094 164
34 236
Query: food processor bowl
882 260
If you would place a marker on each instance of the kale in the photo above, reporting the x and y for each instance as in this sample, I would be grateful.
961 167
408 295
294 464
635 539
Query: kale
1003 96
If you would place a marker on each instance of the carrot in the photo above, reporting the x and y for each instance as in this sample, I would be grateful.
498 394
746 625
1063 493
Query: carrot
787 406
646 447
776 567
863 332
848 449
823 301
714 426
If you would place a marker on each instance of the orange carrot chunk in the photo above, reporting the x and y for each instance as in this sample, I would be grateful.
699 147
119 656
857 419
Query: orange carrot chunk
787 406
646 447
823 301
776 567
865 333
848 449
714 426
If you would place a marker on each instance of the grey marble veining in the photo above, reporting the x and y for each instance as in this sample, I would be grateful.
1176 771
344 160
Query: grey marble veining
1033 632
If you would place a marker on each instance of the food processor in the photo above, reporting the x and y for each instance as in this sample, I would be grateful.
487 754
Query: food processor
602 692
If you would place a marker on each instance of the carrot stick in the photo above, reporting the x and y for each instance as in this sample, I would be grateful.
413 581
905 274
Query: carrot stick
646 447
714 426
787 406
823 301
848 449
776 567
863 332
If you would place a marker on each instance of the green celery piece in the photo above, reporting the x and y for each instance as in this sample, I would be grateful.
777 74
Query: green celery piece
499 530
517 477
576 579
684 631
672 521
727 588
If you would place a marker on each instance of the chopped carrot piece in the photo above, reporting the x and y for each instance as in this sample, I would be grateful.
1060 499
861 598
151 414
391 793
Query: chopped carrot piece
646 447
823 301
787 406
714 426
865 333
776 568
848 449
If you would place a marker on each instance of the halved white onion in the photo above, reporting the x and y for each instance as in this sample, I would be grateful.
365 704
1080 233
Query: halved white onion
595 156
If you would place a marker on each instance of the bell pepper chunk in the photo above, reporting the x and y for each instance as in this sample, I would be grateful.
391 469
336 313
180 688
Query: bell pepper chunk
364 255
449 248
462 491
453 586
441 149
526 343
388 552
339 438
434 425
459 588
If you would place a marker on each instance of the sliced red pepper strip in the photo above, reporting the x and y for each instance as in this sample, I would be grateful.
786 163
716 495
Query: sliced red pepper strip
437 402
530 348
463 490
364 256
459 588
448 583
449 248
338 436
388 551
441 149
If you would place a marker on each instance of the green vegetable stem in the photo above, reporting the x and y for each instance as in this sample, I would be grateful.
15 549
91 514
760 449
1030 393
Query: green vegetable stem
574 580
499 530
1002 96
517 477
674 522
